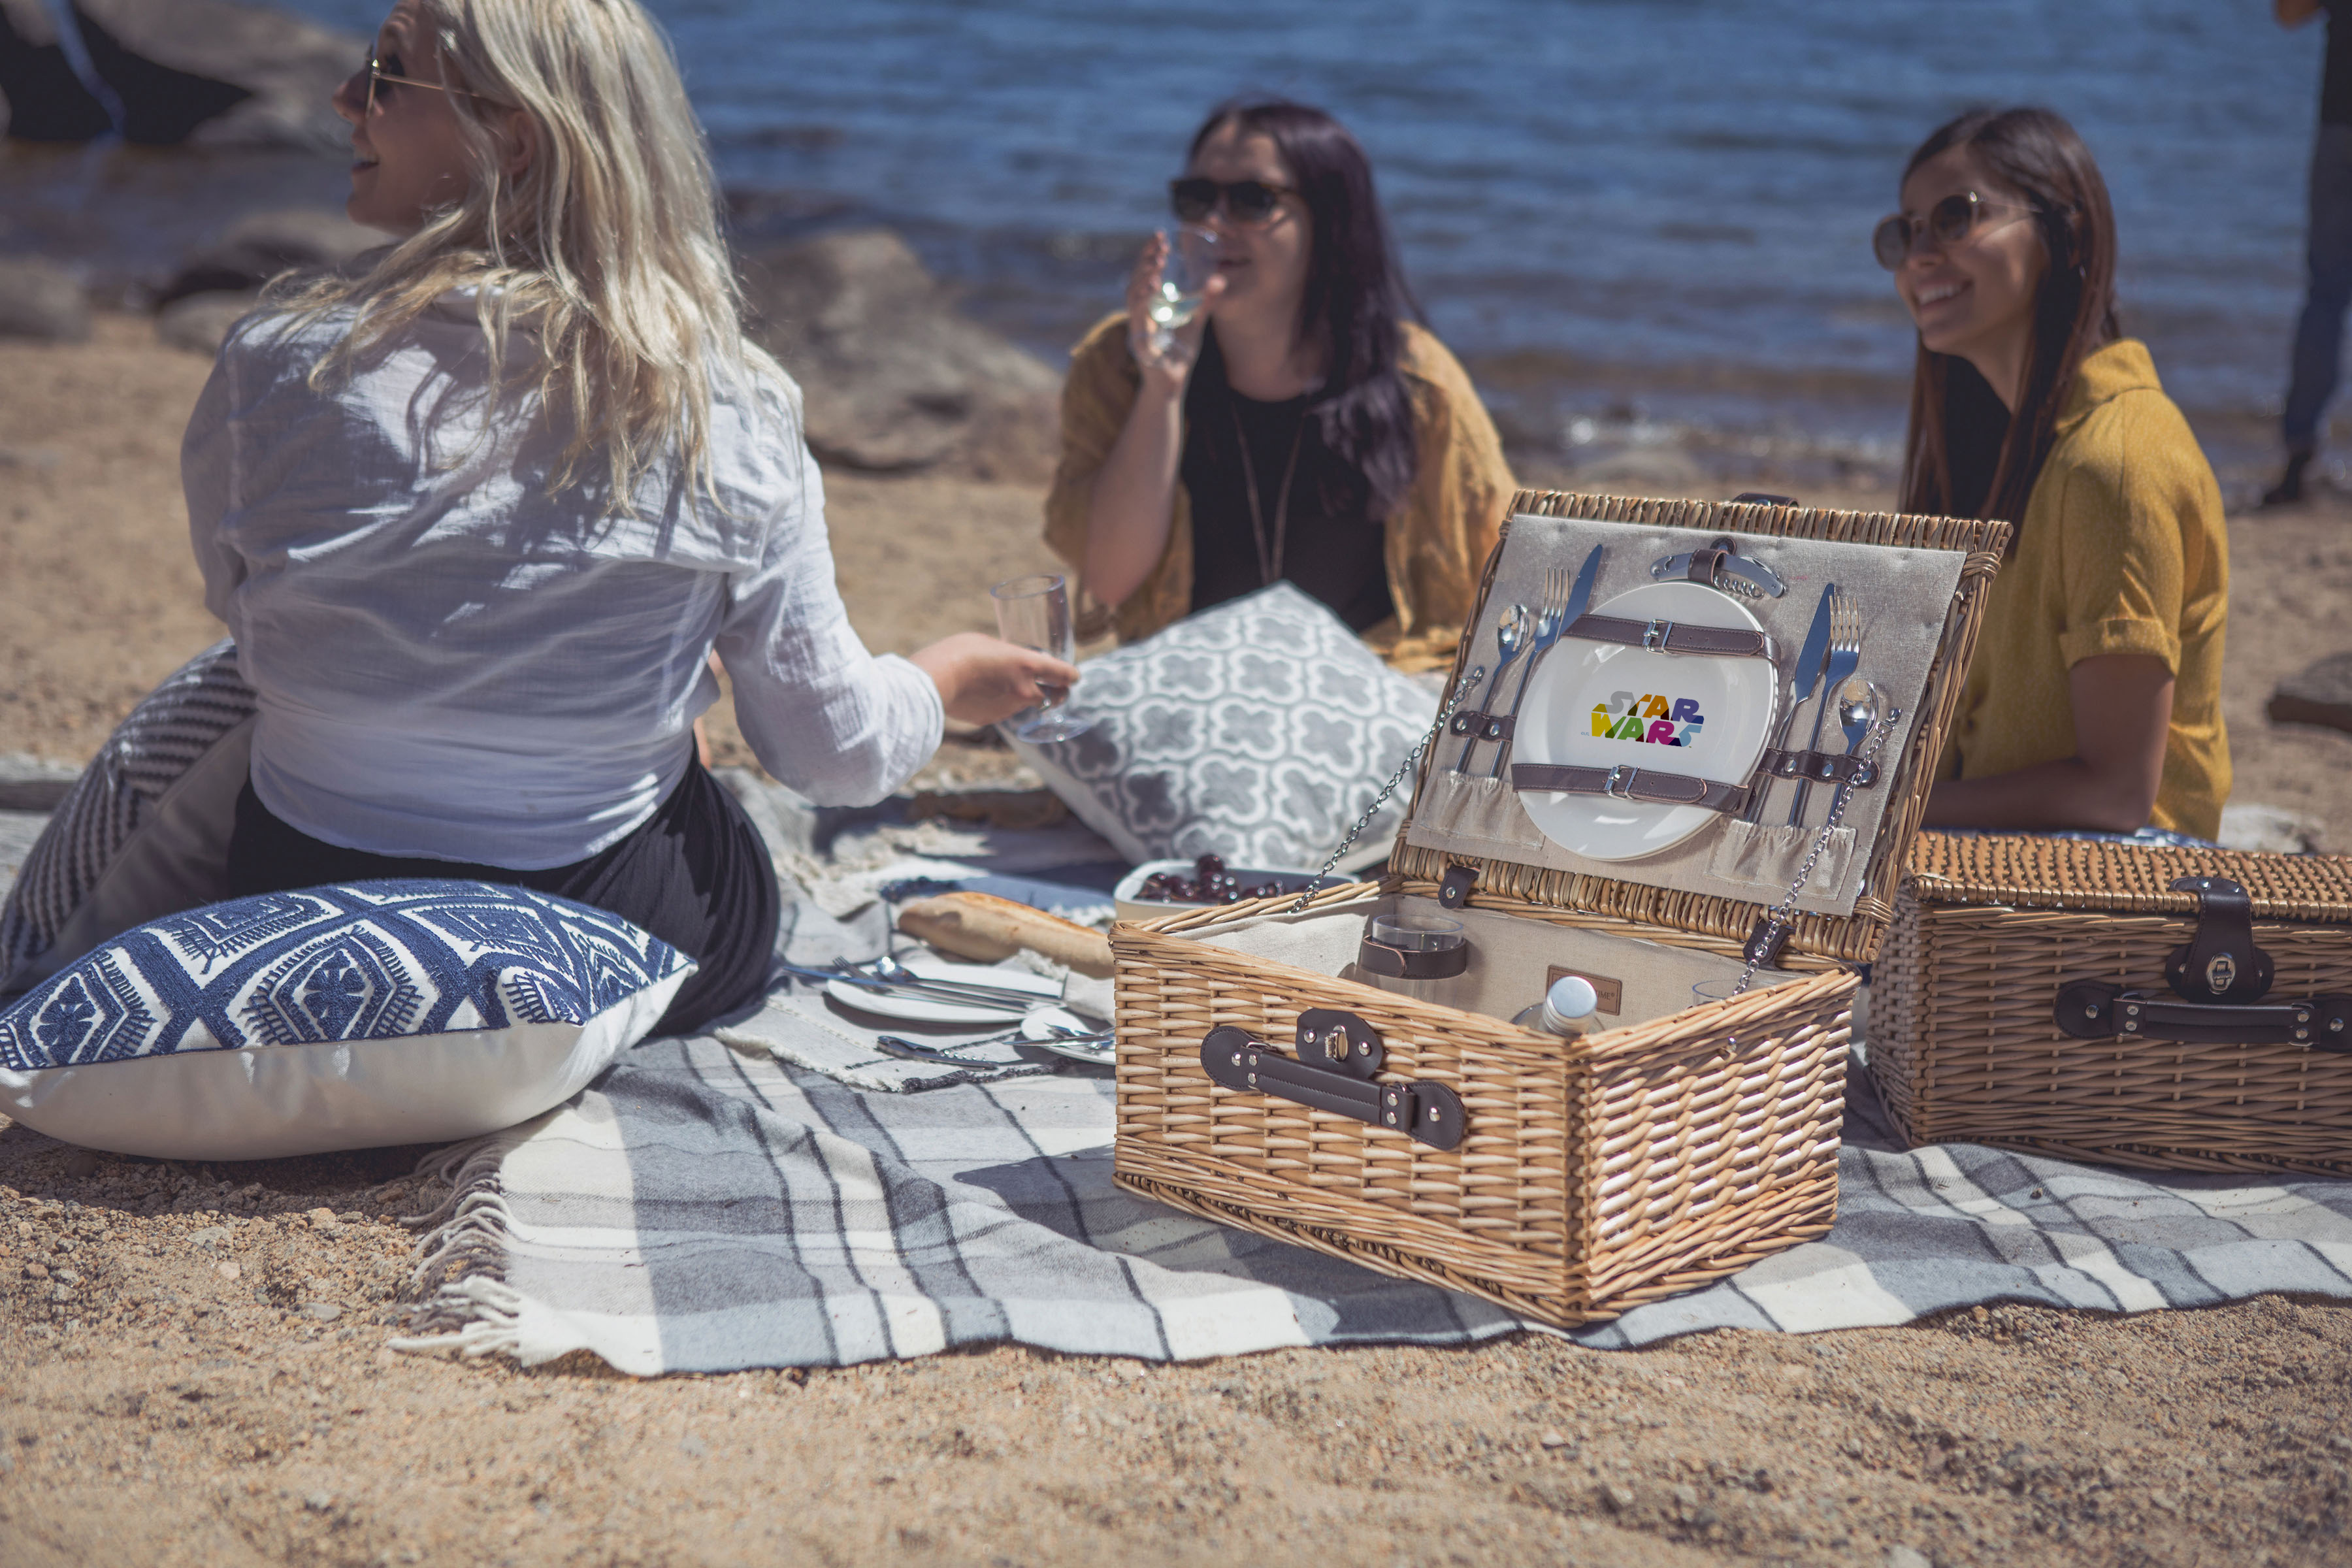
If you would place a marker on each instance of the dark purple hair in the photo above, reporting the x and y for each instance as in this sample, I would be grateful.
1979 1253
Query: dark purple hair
1356 299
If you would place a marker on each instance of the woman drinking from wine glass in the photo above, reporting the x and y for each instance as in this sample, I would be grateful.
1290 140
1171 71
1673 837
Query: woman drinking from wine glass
2094 701
1302 425
480 510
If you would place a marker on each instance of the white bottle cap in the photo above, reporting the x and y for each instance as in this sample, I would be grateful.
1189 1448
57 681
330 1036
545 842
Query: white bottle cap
1570 1001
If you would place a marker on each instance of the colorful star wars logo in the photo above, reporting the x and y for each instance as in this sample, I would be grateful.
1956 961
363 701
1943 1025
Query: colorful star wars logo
1647 718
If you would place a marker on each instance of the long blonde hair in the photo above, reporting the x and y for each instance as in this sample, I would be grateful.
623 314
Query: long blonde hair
606 246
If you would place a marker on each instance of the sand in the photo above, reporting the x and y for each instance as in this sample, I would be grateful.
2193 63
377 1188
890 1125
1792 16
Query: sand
191 1357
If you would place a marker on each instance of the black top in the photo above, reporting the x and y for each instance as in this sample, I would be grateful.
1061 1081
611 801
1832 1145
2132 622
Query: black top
2335 86
1337 559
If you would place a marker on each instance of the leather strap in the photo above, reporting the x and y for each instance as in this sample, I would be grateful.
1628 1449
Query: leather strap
1486 726
1822 767
1417 964
2220 962
2096 1010
1676 636
1649 786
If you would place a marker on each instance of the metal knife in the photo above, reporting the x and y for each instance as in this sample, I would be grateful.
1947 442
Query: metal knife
1581 595
1804 675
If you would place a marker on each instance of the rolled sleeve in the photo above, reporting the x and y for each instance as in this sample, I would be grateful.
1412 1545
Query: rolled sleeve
2124 565
822 713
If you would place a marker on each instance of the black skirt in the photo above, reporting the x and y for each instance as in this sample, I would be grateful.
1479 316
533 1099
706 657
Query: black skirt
697 875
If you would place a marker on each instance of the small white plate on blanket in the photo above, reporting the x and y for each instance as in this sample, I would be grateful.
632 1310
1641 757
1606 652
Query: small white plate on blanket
923 1010
1036 1029
1595 705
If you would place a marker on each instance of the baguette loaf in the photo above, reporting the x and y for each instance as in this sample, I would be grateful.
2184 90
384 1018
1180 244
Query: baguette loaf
983 926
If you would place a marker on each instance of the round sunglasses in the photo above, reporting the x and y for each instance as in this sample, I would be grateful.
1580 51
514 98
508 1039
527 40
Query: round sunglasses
1195 198
1946 223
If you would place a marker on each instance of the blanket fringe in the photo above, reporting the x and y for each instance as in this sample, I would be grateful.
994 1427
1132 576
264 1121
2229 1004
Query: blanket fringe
483 1317
463 1245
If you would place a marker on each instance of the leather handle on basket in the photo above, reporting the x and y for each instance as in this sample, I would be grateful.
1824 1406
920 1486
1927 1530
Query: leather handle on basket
2095 1010
1429 1112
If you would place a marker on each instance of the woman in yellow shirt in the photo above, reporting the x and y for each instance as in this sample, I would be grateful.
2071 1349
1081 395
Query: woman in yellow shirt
2094 701
1304 426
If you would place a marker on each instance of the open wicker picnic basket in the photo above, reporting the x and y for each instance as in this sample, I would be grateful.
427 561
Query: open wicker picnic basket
1268 1079
2165 1008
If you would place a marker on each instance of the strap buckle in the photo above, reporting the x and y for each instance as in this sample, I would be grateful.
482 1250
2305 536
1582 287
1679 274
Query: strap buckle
1619 786
1655 636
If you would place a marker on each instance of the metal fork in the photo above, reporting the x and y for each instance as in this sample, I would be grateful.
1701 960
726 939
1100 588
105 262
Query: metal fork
1845 653
1548 625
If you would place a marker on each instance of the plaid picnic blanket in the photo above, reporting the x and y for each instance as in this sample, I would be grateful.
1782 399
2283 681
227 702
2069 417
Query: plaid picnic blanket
705 1208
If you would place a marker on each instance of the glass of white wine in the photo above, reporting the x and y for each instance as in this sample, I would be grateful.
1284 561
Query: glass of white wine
1034 613
1183 282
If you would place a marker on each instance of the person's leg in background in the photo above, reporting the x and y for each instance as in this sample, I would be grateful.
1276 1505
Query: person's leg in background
2319 335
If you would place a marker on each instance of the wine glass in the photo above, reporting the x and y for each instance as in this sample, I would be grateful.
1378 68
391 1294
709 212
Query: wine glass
1034 613
1183 282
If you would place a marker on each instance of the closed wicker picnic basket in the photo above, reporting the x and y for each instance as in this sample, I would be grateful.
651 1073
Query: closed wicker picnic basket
1590 1174
1972 1035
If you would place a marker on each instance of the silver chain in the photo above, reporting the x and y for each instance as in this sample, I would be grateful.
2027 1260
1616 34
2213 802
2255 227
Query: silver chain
1784 917
1413 758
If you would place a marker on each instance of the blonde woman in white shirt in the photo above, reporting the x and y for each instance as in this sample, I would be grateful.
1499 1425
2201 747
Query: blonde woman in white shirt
478 514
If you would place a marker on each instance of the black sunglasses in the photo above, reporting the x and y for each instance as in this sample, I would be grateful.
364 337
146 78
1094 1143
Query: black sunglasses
1946 223
1194 198
385 70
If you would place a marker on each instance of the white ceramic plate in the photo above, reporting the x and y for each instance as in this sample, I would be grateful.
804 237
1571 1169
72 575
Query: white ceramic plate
1034 1031
1581 687
923 1010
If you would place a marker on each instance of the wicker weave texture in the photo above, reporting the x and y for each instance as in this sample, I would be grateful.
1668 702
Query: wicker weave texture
1963 1045
1593 1175
2039 872
1853 938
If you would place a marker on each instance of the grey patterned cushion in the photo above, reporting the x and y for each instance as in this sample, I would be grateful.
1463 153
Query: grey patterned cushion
145 832
1259 730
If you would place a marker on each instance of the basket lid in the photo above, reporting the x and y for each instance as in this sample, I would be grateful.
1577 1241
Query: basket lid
1919 583
2034 871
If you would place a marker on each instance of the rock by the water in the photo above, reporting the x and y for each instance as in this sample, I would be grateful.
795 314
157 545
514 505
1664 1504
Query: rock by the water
209 73
895 378
41 98
28 782
260 246
41 300
2267 828
200 323
2319 695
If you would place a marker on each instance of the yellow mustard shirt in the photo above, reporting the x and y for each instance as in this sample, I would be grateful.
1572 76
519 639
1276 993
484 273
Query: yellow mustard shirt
2122 550
1437 542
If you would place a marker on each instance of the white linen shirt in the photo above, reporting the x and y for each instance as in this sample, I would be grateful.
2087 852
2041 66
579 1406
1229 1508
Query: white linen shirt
452 663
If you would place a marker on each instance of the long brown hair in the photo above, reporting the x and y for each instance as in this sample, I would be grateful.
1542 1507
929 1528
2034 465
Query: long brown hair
1967 456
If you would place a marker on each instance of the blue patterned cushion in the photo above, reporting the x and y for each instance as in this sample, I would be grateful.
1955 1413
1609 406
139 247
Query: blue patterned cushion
1259 730
513 999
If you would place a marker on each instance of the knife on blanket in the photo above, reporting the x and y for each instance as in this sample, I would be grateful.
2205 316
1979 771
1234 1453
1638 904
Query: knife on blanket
957 992
1804 675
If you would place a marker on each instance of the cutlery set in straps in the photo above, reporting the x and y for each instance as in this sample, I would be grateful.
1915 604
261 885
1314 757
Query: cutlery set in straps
1563 607
1826 665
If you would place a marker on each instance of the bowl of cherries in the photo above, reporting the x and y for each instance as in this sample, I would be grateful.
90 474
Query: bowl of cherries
1160 888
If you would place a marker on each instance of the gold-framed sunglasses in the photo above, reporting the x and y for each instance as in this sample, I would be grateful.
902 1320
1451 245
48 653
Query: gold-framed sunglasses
1948 222
381 71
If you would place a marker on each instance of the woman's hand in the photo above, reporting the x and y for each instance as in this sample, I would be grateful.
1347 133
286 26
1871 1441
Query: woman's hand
984 680
1166 360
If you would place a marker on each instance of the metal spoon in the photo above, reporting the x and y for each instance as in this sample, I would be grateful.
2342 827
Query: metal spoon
915 1050
1510 638
1859 703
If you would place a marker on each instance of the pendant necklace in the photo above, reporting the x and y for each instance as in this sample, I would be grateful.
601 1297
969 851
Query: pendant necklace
1269 558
